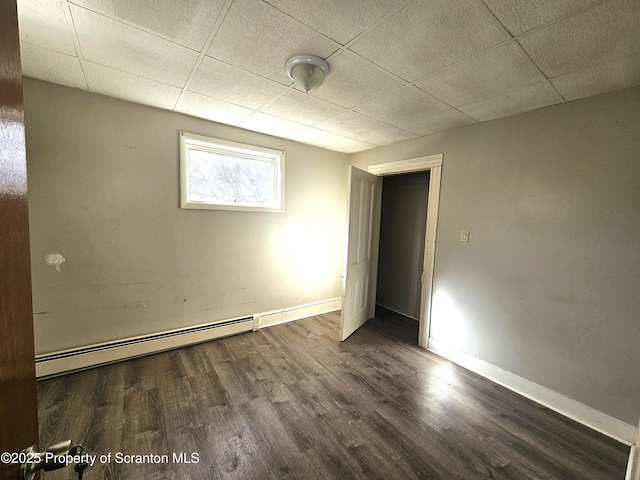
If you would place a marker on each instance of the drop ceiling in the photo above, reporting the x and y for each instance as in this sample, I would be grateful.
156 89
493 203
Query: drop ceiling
399 69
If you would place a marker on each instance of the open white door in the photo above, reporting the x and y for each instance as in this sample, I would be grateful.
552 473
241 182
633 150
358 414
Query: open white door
359 275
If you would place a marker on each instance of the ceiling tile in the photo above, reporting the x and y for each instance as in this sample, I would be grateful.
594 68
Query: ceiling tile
186 22
341 20
279 127
524 99
519 16
257 37
114 44
407 108
352 81
486 75
439 122
132 88
365 129
302 108
315 136
43 23
213 109
607 31
50 66
454 52
350 145
606 77
430 35
217 79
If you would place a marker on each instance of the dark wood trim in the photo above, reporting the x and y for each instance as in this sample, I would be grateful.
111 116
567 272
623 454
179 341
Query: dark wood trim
18 419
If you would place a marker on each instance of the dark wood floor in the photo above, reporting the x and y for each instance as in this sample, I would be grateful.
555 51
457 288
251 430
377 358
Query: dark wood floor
290 401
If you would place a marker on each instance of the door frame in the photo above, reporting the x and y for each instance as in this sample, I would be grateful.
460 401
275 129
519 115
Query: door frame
433 164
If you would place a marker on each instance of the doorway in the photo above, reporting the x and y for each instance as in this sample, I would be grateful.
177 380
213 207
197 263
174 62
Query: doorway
362 238
403 226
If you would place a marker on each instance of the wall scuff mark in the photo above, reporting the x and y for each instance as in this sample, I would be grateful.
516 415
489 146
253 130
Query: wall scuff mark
54 259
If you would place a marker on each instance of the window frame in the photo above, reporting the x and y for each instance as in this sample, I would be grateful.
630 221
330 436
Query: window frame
226 147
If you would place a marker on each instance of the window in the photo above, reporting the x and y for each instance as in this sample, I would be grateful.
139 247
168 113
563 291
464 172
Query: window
219 174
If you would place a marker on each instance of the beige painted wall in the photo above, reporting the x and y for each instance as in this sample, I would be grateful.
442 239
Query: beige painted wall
103 180
547 288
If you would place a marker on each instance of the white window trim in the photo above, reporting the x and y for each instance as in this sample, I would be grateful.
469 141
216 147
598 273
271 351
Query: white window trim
217 144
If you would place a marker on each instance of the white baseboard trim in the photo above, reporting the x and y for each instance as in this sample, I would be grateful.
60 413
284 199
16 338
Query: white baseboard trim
284 315
397 311
601 422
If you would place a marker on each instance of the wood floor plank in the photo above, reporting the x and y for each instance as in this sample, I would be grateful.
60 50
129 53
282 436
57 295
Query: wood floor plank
236 448
292 402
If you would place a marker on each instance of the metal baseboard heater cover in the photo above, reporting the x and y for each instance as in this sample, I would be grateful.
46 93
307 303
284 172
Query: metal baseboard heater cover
57 363
81 358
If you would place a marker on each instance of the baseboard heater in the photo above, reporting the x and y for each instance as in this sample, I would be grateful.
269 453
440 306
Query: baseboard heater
57 363
81 358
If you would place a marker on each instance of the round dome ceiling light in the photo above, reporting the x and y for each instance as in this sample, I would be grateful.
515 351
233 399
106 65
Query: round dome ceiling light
308 71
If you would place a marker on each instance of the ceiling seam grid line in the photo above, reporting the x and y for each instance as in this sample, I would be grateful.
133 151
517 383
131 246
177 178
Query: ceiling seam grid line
572 13
214 31
338 51
564 100
496 46
65 5
366 31
560 54
492 17
340 48
114 19
74 38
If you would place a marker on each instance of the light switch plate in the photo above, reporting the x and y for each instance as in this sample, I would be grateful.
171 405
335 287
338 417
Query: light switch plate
464 236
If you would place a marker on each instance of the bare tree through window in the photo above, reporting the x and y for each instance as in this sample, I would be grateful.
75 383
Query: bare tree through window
229 180
222 174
